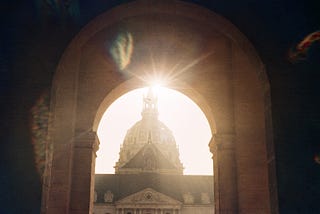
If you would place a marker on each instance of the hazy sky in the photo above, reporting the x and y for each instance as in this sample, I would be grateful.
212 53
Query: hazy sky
182 116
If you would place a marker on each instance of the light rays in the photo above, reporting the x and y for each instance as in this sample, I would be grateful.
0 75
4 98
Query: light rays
122 49
176 73
162 78
184 118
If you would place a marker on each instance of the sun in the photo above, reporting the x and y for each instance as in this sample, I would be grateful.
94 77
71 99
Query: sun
156 85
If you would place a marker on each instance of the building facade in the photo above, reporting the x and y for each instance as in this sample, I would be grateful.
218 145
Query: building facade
149 176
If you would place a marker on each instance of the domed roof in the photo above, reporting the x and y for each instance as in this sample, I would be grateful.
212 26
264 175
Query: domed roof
149 131
145 130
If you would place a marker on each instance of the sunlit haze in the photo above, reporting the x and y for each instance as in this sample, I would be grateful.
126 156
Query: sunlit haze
182 116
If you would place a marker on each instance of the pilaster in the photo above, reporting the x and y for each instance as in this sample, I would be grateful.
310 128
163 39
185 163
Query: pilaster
222 146
82 183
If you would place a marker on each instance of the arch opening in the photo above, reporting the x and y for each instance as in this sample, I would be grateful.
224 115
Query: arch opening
179 113
231 85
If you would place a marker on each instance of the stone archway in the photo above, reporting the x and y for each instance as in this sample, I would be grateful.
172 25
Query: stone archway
209 54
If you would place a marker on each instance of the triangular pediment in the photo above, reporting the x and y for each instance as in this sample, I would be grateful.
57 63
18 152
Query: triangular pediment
148 196
149 157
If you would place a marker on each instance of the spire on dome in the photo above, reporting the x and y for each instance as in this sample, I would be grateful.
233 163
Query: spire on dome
150 104
149 146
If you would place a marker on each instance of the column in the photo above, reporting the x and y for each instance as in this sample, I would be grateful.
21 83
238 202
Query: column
161 211
85 145
222 147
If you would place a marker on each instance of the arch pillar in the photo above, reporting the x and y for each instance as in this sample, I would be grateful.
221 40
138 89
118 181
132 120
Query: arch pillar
222 147
231 80
83 169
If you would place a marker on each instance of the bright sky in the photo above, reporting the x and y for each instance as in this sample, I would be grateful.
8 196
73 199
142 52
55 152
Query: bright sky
180 114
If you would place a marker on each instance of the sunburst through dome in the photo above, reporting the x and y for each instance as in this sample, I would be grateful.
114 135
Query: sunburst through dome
179 113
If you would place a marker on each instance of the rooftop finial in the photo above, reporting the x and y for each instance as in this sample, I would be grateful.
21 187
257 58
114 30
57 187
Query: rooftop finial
150 104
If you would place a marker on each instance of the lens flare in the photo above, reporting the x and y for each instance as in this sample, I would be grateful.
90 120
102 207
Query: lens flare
121 50
301 50
156 88
39 130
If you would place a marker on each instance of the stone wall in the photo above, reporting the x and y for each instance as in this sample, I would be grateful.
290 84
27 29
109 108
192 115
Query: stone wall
214 65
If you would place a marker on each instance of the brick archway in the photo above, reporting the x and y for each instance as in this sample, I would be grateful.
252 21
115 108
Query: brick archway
212 58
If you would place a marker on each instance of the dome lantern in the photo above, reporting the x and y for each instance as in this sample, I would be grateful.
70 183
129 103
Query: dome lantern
150 105
149 134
